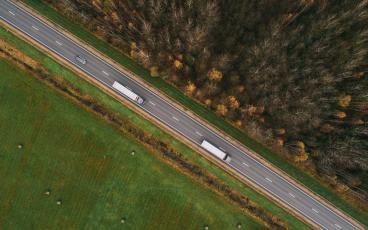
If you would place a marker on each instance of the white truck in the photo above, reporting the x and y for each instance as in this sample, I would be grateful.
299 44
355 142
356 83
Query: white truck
127 92
215 151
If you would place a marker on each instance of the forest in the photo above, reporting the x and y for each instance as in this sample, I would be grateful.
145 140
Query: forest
292 73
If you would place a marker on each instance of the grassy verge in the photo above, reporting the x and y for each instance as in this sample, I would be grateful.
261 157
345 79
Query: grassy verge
87 164
203 112
89 89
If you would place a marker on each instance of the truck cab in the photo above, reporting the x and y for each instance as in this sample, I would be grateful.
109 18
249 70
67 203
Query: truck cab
227 158
140 100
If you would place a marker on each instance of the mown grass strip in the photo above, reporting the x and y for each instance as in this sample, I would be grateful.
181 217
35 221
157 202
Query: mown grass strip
200 110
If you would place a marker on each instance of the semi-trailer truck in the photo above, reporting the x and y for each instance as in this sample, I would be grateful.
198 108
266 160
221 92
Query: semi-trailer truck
127 92
215 151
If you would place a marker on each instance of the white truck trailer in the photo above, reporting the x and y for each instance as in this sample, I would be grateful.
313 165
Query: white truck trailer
215 151
127 92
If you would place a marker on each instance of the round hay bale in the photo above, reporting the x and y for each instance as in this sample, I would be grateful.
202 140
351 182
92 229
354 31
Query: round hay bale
47 192
239 226
59 202
206 227
20 146
122 220
132 153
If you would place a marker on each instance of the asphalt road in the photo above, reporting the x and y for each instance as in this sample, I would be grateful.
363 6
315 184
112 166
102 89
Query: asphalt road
242 162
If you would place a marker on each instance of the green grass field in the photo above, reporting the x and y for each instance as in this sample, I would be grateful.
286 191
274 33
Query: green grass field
203 112
87 164
89 89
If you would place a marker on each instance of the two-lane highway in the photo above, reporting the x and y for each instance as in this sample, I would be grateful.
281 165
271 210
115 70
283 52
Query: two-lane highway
318 212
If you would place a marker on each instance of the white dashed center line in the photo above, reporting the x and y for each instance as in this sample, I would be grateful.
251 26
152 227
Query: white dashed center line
35 28
198 133
59 43
104 72
245 164
268 179
176 119
152 103
315 210
292 195
11 13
